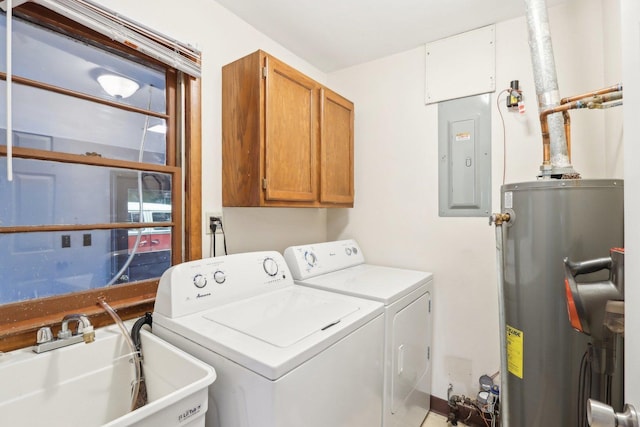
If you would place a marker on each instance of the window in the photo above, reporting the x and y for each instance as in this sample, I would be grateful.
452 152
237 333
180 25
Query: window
95 206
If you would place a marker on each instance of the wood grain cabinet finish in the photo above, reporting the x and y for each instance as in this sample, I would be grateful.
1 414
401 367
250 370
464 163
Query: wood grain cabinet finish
286 139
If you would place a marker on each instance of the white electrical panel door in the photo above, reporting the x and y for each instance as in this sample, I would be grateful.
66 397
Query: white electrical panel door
461 65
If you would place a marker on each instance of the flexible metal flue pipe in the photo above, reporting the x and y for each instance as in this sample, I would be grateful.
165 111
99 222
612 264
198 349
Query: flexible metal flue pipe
555 152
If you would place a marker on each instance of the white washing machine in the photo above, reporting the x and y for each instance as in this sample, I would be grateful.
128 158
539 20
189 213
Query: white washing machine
406 294
284 355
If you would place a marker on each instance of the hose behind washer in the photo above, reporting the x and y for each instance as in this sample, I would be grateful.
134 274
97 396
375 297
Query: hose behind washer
147 319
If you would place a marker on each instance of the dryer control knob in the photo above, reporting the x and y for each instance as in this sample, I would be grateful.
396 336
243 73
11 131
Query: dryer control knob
347 251
310 258
219 277
270 266
200 281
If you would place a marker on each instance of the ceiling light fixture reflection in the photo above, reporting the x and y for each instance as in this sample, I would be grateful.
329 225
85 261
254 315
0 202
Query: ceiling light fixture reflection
118 86
159 128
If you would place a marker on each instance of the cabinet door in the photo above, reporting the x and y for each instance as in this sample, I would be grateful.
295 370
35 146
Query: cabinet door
291 134
336 149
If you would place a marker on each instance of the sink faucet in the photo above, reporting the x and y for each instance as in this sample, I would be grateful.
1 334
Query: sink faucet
84 327
84 332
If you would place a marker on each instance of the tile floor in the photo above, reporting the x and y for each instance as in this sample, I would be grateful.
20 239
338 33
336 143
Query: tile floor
436 420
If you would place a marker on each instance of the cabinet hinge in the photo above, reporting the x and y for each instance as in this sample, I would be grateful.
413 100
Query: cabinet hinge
429 306
264 183
264 72
428 353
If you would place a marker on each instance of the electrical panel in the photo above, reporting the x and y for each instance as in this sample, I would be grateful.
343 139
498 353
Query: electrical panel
464 151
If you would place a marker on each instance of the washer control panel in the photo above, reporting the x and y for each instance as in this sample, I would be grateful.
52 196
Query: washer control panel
199 285
307 261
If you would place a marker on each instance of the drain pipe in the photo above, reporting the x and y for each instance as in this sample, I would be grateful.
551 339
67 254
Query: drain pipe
499 219
556 162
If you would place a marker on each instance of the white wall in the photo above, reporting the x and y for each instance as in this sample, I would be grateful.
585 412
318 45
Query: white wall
223 38
395 218
614 159
631 70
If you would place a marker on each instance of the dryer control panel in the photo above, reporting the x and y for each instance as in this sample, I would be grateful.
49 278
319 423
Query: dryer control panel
194 286
307 261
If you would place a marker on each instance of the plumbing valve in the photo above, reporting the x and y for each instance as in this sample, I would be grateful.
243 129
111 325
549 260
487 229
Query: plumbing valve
499 218
514 99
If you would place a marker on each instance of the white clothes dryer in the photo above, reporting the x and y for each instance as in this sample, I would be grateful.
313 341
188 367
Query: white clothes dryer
284 355
406 294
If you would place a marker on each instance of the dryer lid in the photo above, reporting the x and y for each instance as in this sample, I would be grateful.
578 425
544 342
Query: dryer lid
283 318
379 283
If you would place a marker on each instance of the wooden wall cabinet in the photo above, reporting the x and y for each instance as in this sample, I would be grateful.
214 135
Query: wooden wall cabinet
286 139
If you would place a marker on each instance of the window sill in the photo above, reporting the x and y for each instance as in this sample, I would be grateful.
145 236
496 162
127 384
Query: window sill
19 322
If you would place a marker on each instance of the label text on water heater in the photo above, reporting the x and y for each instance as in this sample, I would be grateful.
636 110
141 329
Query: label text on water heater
515 351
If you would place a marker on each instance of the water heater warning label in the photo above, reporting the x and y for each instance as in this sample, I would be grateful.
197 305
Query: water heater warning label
515 351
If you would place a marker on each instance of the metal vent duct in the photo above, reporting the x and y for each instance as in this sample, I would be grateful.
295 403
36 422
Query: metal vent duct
556 161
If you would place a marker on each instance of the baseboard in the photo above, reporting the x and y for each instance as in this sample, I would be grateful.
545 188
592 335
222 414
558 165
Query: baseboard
441 407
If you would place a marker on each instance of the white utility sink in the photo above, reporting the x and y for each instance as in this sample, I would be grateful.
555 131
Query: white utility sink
90 385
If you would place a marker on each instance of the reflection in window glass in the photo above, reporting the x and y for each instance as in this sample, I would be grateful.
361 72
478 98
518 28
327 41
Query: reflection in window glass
40 266
50 121
46 56
51 193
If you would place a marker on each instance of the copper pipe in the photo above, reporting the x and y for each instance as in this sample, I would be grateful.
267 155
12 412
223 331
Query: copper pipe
589 100
607 105
546 140
614 88
603 99
567 131
544 125
567 118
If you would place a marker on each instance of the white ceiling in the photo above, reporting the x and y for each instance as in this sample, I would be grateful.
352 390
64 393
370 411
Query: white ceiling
335 34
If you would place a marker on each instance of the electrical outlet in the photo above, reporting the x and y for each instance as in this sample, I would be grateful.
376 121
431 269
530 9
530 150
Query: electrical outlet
207 220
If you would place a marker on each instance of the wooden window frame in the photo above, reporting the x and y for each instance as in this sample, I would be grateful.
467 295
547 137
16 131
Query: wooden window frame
20 321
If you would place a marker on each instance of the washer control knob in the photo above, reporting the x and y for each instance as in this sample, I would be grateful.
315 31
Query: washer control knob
219 276
270 266
355 250
310 258
347 251
200 281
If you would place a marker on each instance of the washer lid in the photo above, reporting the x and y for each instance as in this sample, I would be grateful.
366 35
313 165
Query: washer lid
385 284
294 317
283 318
